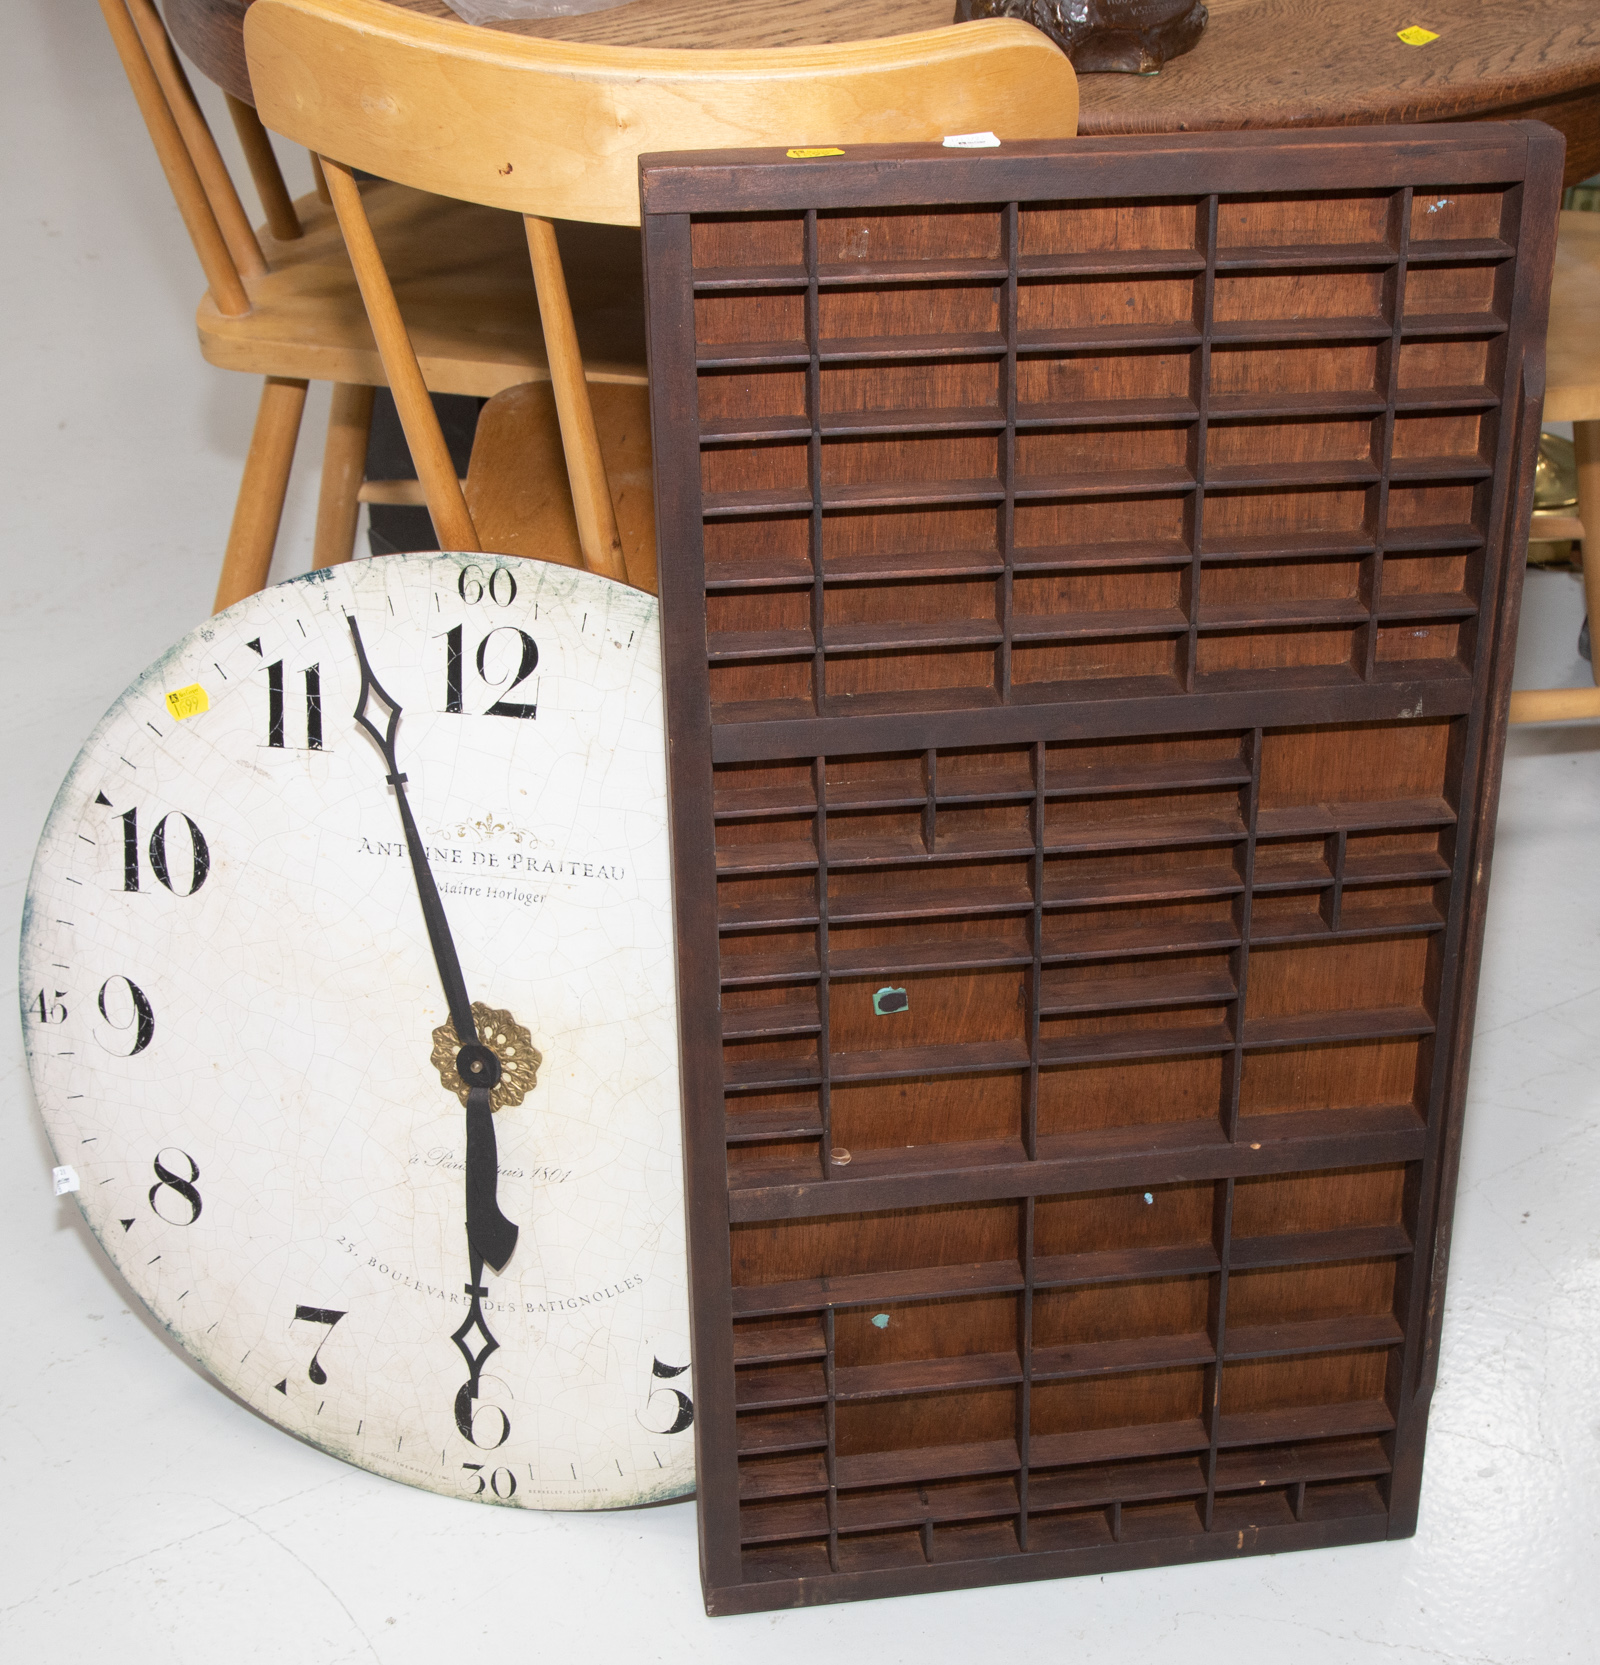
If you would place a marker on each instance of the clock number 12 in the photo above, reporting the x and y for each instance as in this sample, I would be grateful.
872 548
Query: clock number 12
453 662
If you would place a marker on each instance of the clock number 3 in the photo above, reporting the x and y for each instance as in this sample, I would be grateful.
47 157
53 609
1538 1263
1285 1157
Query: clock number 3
181 1187
199 852
527 663
682 1410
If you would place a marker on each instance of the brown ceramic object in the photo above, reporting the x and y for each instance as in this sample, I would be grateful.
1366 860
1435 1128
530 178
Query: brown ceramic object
1134 37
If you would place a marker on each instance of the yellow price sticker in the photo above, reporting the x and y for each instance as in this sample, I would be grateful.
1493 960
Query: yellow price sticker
802 152
188 702
1415 36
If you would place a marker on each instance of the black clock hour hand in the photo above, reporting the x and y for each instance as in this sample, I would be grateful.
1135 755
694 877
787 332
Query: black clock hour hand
439 938
489 1232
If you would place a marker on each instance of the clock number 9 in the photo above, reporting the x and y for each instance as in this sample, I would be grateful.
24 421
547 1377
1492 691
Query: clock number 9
493 587
141 1020
526 664
199 852
183 1187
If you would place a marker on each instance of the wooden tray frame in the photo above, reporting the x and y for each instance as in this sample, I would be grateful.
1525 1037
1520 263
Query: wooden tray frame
799 713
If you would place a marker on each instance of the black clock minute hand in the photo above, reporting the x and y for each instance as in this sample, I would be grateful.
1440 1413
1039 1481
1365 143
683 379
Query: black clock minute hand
489 1233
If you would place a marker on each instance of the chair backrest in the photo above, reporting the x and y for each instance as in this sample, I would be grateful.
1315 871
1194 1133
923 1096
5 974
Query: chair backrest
227 246
554 129
550 130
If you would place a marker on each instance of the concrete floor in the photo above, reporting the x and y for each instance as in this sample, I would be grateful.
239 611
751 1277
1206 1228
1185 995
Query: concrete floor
146 1516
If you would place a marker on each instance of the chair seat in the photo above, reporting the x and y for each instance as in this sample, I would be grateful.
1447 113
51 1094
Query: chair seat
1572 349
517 489
462 278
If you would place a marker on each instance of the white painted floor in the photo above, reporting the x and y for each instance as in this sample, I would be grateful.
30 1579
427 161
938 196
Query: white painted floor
146 1516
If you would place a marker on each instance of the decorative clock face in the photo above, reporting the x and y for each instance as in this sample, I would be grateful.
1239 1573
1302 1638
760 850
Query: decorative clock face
461 1266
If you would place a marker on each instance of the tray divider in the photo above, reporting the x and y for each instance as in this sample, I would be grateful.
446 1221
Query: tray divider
819 768
814 479
1025 1350
1200 392
832 1456
1222 1215
1389 360
1035 973
1233 1071
1008 444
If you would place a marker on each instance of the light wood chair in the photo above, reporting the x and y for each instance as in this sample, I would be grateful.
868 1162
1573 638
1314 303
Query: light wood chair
1572 394
282 302
553 130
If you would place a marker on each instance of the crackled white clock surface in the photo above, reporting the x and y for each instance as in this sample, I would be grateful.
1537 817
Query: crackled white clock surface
230 1000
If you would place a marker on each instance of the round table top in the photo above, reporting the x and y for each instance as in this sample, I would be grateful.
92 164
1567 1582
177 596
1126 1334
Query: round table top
1260 63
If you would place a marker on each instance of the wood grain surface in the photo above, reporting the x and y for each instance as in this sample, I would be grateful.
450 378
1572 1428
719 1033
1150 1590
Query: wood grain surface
1087 630
1260 63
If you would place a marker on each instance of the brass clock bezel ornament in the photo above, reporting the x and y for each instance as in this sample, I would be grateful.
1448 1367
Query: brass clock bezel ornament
508 1040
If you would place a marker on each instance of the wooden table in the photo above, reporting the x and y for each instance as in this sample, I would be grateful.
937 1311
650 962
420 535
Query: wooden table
1260 63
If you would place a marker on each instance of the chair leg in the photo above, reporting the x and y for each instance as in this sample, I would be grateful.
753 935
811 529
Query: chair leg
1586 443
344 465
259 508
586 470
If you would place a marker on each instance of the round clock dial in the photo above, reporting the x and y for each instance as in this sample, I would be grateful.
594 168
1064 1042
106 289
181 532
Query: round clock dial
455 1260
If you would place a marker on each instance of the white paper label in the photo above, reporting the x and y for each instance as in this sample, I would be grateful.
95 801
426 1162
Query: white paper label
66 1180
971 141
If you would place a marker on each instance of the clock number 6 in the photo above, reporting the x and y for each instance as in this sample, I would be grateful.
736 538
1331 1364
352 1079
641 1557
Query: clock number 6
526 665
684 1413
199 852
183 1187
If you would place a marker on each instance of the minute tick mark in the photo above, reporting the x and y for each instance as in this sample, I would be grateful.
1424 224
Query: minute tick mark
153 729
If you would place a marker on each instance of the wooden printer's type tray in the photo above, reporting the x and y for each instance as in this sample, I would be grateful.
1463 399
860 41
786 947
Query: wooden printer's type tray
1088 581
